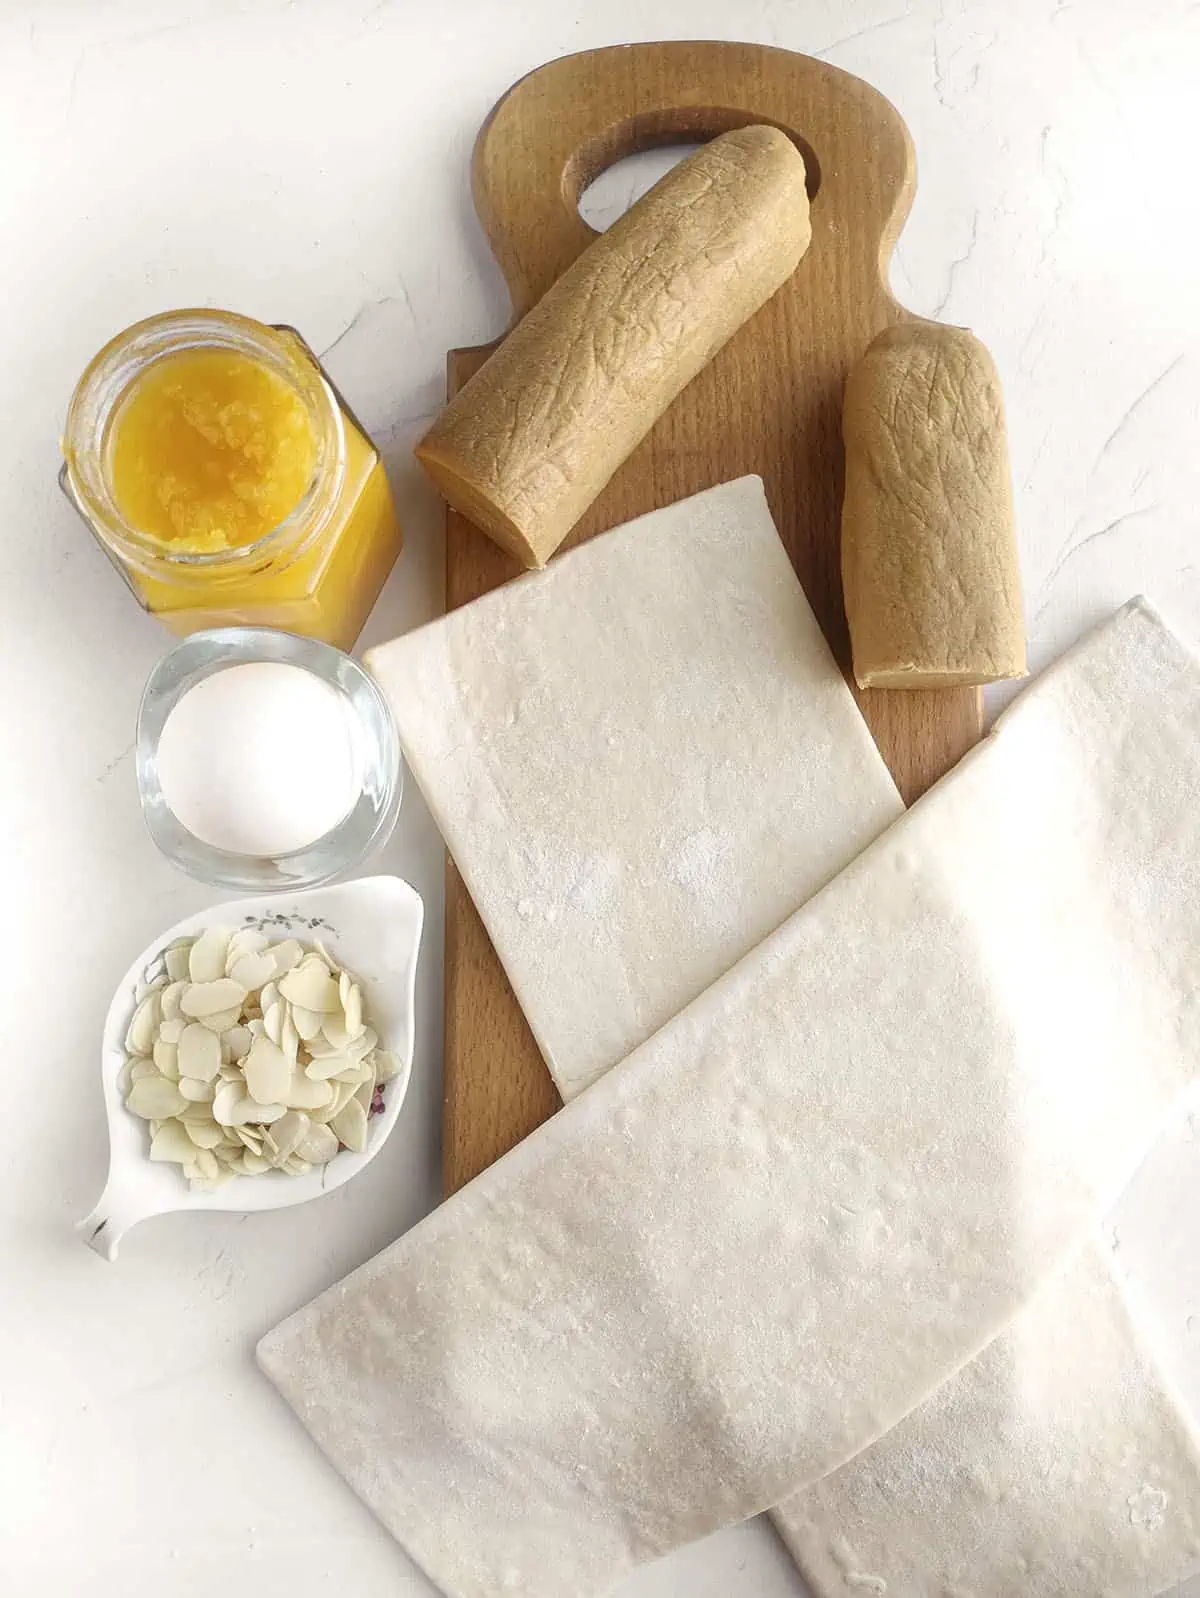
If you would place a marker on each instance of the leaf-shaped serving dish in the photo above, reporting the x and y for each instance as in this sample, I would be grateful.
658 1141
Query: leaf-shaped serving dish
372 927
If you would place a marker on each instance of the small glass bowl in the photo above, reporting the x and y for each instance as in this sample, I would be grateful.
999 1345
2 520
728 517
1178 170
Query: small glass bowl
376 750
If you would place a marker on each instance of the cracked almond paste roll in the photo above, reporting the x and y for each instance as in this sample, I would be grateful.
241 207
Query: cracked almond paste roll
527 444
929 550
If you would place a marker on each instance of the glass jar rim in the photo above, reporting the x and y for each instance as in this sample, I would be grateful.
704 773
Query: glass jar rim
106 382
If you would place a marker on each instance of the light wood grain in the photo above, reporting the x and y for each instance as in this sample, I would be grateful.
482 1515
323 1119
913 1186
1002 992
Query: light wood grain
770 402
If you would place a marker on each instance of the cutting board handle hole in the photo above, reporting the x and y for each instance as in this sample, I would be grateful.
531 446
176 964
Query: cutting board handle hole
612 170
613 191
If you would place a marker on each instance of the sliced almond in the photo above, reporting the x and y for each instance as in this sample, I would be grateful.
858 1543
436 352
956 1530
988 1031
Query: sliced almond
197 1092
273 1021
267 1071
337 1034
359 1047
286 955
304 1094
253 971
213 998
221 1022
172 1143
352 1007
286 1134
357 1072
289 1038
318 1146
237 1039
294 1166
327 1065
176 960
253 1163
171 1031
250 1113
196 1109
155 1098
345 1092
144 1026
166 1058
311 987
206 963
204 1134
387 1065
235 1109
350 1125
140 1069
206 1163
246 940
171 996
308 1022
250 1137
199 1053
226 1102
345 983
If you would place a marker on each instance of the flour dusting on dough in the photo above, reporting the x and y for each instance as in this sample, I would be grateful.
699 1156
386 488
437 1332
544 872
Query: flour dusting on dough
700 863
1147 1507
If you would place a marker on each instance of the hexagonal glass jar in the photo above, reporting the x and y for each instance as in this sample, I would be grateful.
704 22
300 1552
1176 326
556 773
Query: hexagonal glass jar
318 572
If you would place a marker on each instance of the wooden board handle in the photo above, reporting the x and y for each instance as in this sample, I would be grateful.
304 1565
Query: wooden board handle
560 126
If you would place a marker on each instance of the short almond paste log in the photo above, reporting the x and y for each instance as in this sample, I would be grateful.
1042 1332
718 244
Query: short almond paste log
525 447
929 552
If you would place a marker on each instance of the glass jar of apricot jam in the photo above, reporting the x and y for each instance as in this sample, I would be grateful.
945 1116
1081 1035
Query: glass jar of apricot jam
228 481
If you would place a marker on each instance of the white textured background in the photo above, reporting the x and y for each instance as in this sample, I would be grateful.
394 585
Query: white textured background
306 160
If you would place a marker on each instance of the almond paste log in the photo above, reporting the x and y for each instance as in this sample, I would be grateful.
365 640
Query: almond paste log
525 447
929 551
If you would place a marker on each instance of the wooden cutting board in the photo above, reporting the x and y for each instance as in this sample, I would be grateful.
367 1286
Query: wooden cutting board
770 402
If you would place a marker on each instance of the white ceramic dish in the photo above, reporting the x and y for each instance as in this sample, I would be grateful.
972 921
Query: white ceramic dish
373 926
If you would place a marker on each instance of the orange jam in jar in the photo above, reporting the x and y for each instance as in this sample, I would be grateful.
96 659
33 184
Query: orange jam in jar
227 480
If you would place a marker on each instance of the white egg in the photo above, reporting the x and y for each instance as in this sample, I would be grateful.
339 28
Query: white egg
259 759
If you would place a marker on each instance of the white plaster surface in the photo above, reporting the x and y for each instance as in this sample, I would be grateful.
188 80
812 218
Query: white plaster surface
306 161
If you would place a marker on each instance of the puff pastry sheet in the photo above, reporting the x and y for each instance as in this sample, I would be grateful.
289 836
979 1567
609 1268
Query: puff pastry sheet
1057 1463
810 1198
642 760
